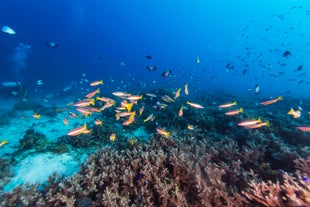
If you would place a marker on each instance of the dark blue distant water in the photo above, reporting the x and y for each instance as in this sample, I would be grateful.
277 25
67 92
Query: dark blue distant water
240 44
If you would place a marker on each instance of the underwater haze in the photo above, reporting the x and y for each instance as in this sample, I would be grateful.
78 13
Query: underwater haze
155 103
95 37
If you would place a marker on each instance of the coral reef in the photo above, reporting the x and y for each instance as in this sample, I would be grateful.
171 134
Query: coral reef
216 163
36 141
292 190
163 173
33 139
5 173
180 171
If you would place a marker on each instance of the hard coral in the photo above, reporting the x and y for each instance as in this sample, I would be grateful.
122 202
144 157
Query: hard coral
188 169
292 191
170 176
34 140
163 173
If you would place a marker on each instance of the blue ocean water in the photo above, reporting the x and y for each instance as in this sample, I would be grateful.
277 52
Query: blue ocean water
95 37
224 51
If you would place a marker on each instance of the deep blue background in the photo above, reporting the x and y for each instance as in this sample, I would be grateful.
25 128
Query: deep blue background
95 36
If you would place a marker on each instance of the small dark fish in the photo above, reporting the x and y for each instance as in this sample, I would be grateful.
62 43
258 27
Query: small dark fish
139 176
300 82
197 59
158 106
229 67
244 72
299 68
166 73
148 57
151 67
281 17
304 178
257 89
286 54
51 44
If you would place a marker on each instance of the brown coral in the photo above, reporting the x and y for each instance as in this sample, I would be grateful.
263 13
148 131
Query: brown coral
209 171
293 190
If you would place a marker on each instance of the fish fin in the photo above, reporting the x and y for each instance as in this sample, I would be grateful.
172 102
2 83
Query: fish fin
259 120
291 111
129 106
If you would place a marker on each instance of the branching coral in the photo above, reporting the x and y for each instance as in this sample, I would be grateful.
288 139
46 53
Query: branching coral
293 190
180 171
303 165
163 173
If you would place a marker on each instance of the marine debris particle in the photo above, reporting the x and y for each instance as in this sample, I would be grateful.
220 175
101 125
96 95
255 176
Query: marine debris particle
286 54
